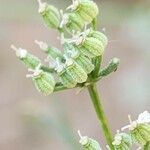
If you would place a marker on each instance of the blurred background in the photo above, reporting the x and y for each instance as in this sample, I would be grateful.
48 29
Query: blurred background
30 121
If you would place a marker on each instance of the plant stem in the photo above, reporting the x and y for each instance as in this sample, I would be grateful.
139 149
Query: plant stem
60 87
47 69
100 113
98 60
94 24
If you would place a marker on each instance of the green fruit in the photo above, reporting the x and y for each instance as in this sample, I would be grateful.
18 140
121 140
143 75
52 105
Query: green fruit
85 63
122 141
76 72
31 61
66 79
28 59
75 23
64 76
91 47
87 10
89 144
50 15
100 36
141 134
44 83
80 59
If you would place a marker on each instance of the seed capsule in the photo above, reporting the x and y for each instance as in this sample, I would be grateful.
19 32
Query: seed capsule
29 60
65 78
88 143
72 22
75 71
88 46
100 36
91 47
50 14
87 10
140 129
79 58
75 22
43 81
141 134
122 141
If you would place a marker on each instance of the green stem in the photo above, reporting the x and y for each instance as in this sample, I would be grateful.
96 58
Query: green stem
48 69
98 60
147 146
60 87
100 113
94 24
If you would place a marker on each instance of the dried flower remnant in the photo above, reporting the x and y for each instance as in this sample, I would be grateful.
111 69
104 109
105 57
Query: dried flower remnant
122 141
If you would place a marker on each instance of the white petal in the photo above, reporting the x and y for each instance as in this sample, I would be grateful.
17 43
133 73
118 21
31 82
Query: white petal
144 117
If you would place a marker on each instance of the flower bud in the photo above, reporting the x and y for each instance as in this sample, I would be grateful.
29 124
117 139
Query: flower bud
140 129
111 67
50 14
122 141
88 143
29 60
79 58
75 71
100 36
51 51
43 81
65 78
87 9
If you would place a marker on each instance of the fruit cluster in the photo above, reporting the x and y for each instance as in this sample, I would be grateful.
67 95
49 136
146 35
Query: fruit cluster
74 63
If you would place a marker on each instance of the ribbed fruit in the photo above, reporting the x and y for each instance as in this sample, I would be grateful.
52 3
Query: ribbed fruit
44 83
